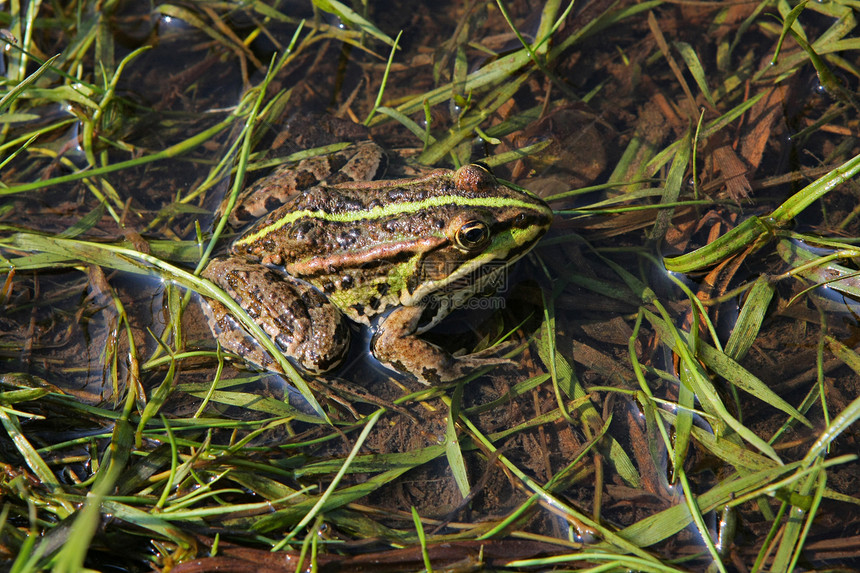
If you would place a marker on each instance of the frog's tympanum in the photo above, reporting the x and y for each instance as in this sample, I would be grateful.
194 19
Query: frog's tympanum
395 255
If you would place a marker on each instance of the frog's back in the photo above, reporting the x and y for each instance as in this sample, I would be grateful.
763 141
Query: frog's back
379 243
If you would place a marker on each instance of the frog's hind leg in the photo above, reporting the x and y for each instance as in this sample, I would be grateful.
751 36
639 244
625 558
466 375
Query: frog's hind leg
307 328
363 161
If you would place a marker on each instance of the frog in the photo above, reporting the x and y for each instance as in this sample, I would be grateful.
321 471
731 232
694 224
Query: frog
393 255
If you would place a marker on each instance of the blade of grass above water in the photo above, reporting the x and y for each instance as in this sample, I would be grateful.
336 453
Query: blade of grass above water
755 232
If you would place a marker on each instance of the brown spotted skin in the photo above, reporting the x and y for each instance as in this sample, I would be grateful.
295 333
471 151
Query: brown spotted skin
407 247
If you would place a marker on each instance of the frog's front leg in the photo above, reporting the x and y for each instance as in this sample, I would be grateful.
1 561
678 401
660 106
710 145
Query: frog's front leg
298 318
396 346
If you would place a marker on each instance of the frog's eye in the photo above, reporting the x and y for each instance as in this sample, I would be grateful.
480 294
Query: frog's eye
473 235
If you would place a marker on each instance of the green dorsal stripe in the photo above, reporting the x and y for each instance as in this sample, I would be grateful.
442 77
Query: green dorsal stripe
392 210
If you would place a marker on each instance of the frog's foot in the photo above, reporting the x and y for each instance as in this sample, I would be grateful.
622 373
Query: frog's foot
397 347
307 328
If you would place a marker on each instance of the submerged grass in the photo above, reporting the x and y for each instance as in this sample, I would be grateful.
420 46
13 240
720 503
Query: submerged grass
635 396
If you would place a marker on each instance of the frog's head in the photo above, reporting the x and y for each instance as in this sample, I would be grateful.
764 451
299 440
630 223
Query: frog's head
485 226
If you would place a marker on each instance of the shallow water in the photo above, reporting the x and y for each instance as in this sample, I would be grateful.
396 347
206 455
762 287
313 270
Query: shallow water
101 340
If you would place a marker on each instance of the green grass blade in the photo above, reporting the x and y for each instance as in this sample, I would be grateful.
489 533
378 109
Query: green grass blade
350 16
750 234
7 99
696 69
750 319
452 443
703 387
128 260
